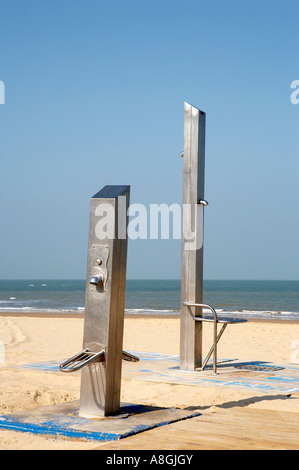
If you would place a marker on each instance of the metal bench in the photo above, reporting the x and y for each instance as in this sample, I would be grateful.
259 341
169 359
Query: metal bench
215 319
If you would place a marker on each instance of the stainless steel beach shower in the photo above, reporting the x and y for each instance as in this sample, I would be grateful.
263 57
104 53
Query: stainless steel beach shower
100 360
192 258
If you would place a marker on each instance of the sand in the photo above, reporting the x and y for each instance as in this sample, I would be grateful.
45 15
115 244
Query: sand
31 339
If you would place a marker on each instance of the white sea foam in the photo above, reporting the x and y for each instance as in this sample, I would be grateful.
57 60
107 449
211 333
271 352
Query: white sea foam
221 312
6 305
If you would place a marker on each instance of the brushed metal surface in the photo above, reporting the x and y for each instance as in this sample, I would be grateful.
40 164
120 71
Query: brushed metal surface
105 303
192 249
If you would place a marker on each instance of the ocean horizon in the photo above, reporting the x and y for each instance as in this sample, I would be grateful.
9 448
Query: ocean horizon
155 297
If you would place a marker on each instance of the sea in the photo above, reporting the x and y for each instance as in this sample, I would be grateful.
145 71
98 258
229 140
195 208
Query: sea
269 299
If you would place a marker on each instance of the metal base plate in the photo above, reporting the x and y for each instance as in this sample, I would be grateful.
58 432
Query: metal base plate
63 420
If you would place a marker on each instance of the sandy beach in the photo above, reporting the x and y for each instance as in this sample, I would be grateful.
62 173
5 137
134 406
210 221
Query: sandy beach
42 338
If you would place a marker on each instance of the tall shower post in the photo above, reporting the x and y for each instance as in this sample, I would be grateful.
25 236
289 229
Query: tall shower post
192 236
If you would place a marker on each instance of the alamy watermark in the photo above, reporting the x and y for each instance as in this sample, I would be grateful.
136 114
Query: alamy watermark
295 94
2 354
295 353
2 92
159 221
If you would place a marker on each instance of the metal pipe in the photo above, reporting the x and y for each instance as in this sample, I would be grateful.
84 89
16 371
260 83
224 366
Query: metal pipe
191 304
203 202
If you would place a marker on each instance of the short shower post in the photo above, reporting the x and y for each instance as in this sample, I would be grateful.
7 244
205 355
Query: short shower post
102 354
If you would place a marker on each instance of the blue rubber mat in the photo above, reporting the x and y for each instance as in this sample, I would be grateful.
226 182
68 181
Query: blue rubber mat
156 367
64 421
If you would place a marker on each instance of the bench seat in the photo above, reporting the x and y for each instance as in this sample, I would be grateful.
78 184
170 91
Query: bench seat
220 319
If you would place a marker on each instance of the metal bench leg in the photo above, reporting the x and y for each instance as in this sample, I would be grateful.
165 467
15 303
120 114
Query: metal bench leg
214 348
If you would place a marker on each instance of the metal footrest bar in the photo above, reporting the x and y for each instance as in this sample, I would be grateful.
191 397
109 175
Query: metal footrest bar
81 359
129 357
85 357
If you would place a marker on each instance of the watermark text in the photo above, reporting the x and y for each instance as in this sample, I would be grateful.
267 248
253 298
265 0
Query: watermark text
2 92
2 354
295 353
295 94
159 221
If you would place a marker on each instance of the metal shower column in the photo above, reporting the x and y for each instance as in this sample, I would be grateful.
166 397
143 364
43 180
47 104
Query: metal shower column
102 354
105 300
192 236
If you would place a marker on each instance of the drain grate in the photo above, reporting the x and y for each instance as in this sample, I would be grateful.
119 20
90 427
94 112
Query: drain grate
258 368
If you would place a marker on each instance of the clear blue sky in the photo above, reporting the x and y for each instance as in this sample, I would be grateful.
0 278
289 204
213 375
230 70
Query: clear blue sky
94 94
